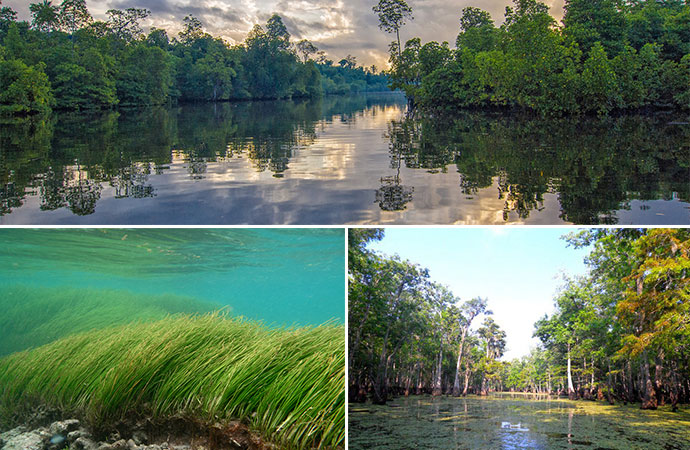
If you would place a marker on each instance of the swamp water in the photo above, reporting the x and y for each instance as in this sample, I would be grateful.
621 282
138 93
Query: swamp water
55 282
342 160
506 421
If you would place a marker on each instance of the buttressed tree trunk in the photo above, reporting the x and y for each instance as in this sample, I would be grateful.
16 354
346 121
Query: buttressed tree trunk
649 400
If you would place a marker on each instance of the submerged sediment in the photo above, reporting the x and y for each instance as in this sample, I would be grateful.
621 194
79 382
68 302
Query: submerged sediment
171 434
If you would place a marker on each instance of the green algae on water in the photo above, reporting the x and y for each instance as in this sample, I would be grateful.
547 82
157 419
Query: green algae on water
512 422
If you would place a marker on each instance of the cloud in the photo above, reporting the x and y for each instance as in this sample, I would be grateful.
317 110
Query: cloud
339 27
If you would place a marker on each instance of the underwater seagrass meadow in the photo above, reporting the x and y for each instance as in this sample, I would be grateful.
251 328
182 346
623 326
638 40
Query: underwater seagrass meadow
209 327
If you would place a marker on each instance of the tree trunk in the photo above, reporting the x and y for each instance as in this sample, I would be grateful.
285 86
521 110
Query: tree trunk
467 380
571 389
659 378
437 385
649 400
456 383
548 382
609 396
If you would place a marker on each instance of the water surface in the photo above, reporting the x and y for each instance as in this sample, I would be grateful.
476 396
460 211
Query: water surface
512 422
54 279
342 160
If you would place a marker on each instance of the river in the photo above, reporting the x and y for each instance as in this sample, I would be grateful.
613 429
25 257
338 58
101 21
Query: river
342 160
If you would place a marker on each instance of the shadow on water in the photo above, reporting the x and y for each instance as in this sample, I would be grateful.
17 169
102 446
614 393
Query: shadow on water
512 423
357 159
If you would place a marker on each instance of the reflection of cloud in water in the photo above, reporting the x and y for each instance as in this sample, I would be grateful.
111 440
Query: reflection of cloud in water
331 163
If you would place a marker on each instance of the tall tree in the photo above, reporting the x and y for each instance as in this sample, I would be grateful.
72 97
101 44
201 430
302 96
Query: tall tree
469 310
45 16
125 24
656 306
392 16
306 49
74 15
590 21
277 32
192 30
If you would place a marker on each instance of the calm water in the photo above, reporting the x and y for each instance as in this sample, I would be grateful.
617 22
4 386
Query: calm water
279 276
512 422
342 160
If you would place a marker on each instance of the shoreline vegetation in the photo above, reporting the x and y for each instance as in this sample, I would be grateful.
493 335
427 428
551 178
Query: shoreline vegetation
64 59
605 56
286 385
619 334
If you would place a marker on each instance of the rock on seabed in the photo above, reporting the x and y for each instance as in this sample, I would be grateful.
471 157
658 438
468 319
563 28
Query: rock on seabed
70 434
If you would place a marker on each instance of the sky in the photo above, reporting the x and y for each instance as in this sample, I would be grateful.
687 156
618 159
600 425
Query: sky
519 270
339 27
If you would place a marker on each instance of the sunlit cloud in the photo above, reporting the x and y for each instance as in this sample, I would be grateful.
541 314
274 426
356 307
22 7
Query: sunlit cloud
338 27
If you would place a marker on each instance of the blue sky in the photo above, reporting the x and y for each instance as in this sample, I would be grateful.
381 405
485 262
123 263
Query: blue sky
339 27
518 269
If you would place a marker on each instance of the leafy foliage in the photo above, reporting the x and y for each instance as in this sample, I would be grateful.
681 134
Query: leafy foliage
99 65
589 65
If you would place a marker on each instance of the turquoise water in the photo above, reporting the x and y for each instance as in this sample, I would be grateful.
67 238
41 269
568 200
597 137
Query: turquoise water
282 277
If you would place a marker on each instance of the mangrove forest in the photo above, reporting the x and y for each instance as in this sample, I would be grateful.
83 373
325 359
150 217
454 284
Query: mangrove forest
604 56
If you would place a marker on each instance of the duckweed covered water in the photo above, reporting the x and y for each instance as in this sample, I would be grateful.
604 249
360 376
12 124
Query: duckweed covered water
507 421
55 282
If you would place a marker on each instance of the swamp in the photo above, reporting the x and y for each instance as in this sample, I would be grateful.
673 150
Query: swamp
510 421
578 340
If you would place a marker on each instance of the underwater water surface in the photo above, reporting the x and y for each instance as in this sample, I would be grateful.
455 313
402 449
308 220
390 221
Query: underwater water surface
57 281
506 421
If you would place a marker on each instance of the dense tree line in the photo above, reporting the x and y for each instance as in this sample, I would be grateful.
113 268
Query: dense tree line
623 331
620 333
64 58
409 335
605 55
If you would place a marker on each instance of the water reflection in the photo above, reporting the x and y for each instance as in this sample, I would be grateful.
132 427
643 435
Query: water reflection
357 159
594 166
510 423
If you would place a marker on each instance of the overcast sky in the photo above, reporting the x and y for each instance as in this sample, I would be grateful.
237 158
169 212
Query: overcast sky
340 27
519 270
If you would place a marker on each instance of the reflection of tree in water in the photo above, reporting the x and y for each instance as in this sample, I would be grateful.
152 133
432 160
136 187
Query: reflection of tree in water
131 181
519 199
82 197
73 188
392 195
38 157
595 166
24 145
